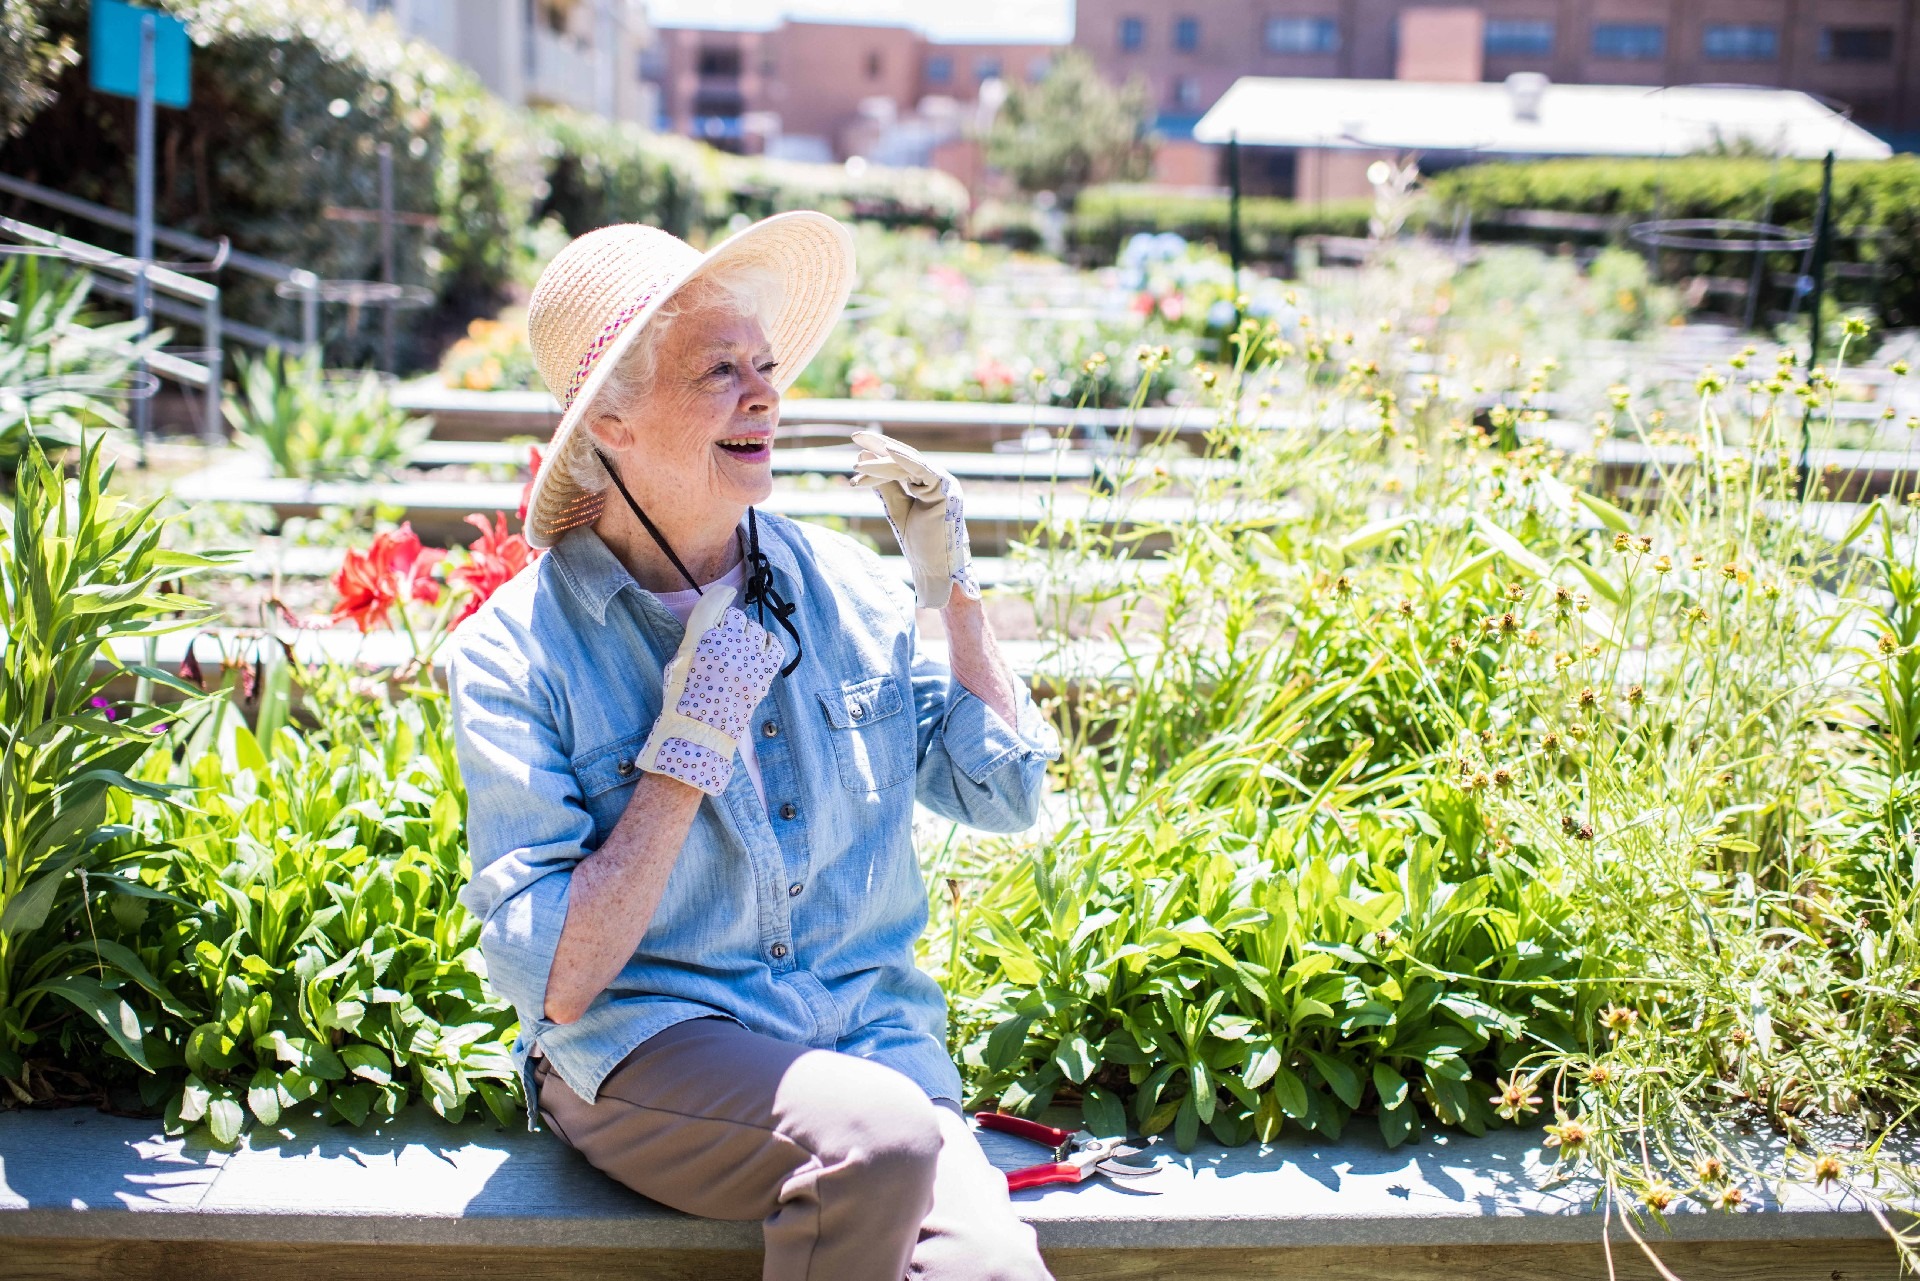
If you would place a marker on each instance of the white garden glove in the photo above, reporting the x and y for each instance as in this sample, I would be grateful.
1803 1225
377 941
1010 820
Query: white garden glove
722 670
923 506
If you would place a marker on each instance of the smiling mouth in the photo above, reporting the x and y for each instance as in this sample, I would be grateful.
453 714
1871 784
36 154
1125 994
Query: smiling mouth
746 446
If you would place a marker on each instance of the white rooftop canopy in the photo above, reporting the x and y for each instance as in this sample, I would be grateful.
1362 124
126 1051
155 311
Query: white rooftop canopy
1530 118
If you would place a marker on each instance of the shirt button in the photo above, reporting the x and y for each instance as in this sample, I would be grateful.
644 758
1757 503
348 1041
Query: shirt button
859 712
787 811
793 889
779 950
770 729
625 768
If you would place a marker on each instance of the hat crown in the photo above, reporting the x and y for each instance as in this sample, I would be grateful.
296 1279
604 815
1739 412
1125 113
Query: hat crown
591 290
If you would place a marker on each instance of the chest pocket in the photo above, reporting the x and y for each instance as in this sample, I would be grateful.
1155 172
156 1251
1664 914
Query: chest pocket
605 774
872 741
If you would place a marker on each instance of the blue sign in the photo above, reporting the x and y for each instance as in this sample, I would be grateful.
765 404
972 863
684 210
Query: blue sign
114 52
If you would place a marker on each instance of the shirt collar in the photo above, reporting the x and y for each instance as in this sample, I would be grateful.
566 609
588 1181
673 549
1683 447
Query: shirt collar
595 575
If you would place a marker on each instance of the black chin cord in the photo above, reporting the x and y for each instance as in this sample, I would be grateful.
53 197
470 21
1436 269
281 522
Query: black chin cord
760 595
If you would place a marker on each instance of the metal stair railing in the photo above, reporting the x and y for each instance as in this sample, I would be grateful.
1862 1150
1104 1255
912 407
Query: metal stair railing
303 283
205 312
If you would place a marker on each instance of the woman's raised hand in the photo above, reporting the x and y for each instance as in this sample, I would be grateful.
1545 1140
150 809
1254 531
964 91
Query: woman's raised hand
723 668
924 507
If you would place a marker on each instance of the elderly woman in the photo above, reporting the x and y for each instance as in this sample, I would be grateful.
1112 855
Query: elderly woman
693 736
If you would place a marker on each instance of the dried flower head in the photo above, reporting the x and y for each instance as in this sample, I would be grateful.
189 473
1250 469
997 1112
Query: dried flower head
1532 639
1710 1169
1515 1099
1619 1020
1888 644
1659 1196
1599 1074
1503 778
1569 1133
1405 607
1827 1169
1729 1198
1664 565
1588 696
1636 695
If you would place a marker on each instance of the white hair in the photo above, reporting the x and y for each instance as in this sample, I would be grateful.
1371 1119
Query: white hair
739 291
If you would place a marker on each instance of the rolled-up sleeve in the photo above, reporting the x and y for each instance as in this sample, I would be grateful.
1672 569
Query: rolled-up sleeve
974 767
526 825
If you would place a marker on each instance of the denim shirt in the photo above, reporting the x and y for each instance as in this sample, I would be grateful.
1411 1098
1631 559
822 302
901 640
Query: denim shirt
798 918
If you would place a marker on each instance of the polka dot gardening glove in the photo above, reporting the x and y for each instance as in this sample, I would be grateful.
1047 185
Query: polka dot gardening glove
723 668
923 506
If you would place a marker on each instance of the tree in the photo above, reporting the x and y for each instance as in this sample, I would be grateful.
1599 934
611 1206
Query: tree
32 60
1071 130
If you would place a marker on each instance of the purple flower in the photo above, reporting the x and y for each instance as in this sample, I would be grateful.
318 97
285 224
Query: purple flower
106 708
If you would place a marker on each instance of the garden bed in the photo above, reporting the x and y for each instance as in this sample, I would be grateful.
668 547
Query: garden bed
81 1192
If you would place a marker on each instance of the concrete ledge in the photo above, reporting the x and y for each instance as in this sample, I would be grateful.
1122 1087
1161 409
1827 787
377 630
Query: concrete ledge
72 1182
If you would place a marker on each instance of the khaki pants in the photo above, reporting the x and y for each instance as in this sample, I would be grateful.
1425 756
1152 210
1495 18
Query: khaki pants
855 1173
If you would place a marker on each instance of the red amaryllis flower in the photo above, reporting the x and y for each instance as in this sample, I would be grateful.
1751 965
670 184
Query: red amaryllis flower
494 557
526 492
396 565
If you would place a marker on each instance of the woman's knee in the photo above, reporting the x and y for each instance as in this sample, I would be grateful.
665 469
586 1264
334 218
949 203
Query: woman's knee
868 1120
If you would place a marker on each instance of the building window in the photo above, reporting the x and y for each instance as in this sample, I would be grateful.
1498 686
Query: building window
1856 44
720 62
1636 41
1741 42
1303 35
1186 93
1518 37
939 69
1133 35
873 66
1186 34
986 69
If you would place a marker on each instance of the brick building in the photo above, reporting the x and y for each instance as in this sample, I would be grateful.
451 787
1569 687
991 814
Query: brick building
1861 53
826 91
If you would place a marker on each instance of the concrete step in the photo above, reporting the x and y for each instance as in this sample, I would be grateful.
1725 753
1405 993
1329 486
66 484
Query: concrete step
85 1194
438 509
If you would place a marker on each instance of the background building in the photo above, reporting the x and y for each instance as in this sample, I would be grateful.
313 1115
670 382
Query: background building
829 90
586 54
1859 52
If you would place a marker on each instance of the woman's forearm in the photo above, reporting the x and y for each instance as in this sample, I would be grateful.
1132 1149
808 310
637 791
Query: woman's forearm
975 658
615 891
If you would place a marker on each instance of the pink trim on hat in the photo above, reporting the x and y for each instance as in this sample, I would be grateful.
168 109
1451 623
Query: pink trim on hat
607 334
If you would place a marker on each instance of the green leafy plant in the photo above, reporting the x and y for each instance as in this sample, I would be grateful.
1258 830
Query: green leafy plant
320 426
81 574
305 912
57 365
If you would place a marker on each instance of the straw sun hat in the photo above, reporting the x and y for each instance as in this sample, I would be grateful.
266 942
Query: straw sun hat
597 295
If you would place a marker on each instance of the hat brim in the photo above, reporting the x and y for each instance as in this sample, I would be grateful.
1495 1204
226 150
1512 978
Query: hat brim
812 256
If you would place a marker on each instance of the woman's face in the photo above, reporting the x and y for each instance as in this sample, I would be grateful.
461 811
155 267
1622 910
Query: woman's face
701 439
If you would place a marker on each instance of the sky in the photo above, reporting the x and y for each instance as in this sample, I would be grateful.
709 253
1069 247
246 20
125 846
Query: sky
976 20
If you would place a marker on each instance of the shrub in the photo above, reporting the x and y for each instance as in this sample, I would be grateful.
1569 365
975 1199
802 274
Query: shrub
304 909
321 426
1105 217
1869 196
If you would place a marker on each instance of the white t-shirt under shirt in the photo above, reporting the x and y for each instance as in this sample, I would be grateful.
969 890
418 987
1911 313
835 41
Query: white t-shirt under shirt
681 604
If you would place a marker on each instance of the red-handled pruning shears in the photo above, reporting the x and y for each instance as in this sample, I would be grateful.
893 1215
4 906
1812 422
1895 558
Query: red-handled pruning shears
1076 1153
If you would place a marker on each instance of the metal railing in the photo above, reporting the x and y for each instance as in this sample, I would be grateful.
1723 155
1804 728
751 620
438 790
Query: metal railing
303 283
202 307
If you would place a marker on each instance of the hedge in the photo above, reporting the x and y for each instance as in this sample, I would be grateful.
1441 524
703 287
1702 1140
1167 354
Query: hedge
1868 196
1104 217
600 171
